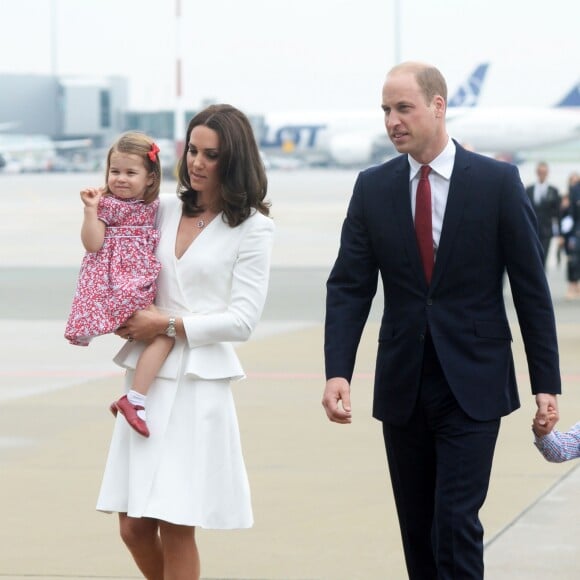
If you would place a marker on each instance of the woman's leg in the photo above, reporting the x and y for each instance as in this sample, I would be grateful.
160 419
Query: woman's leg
141 537
180 555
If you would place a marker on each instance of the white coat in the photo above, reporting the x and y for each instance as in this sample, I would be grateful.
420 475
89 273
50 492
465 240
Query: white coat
190 470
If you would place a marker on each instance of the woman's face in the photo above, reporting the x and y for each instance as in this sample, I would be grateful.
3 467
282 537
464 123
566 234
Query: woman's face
203 162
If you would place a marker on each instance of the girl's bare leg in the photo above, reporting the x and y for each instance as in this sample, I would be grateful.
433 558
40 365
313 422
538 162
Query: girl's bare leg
180 554
150 361
141 537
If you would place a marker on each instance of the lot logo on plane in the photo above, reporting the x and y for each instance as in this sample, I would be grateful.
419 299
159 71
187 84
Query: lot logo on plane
291 137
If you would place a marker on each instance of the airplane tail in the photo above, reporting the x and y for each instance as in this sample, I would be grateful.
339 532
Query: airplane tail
572 99
467 94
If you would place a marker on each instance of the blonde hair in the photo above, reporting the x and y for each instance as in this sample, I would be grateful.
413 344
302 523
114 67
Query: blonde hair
135 143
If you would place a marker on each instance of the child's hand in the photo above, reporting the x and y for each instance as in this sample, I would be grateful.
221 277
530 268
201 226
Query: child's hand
91 196
541 430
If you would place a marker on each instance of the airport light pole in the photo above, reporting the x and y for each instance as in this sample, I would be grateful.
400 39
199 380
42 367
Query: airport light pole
53 38
397 29
178 118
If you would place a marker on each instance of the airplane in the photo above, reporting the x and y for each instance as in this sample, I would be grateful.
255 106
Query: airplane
506 131
513 130
342 137
34 153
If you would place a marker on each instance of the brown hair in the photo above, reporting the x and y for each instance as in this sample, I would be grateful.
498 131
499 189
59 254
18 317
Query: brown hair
240 167
135 143
429 78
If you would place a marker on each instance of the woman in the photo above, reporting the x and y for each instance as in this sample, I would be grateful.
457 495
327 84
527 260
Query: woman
215 245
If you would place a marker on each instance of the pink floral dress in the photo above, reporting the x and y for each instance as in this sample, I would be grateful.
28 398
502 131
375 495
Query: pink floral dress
120 278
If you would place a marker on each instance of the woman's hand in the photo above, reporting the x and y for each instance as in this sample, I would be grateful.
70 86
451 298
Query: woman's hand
143 325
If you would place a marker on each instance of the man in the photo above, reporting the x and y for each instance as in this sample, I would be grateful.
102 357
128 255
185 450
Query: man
444 372
570 235
546 203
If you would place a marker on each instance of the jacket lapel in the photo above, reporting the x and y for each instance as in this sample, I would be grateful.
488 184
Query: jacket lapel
460 184
404 216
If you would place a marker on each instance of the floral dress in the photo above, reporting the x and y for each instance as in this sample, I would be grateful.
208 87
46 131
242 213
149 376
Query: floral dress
120 278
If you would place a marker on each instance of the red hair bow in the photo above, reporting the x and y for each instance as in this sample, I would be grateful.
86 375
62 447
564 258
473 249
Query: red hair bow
153 153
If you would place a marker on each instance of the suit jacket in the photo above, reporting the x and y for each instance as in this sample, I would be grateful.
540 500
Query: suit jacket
488 229
218 287
547 210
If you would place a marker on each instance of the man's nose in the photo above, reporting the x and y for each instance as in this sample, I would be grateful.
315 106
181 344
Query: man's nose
391 120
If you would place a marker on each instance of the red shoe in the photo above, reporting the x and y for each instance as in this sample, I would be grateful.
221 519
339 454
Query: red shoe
130 413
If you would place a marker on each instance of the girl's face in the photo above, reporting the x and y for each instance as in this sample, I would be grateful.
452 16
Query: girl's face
203 162
128 178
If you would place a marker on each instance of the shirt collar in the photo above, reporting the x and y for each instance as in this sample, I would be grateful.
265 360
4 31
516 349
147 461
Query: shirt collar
442 164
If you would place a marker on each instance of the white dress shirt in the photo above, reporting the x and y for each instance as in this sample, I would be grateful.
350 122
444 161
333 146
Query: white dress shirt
439 179
540 192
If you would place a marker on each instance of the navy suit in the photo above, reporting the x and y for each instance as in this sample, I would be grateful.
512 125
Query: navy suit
444 363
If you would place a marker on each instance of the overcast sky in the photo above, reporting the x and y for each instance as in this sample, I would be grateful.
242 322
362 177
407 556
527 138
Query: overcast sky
271 55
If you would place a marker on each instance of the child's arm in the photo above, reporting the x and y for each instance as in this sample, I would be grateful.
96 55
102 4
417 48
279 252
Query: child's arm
540 429
93 229
558 446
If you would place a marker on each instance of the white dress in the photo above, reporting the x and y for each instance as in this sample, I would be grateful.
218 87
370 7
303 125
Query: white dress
191 471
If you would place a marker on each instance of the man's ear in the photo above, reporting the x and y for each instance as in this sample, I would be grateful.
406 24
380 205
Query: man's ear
439 105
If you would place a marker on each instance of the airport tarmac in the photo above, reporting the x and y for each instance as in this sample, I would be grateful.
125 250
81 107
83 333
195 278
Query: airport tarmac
322 499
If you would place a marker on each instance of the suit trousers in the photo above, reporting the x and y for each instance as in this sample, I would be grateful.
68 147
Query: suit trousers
440 464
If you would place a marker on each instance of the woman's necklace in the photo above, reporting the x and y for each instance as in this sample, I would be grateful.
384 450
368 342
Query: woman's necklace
202 220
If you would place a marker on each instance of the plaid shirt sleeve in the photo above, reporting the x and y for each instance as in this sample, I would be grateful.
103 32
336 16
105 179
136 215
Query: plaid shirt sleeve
558 447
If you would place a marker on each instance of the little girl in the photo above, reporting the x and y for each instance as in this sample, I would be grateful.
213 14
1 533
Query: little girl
119 269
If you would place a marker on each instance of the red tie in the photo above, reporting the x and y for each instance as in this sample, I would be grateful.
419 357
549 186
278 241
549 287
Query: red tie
423 225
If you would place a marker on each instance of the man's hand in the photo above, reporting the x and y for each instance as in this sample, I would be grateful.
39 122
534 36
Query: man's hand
542 430
547 414
336 400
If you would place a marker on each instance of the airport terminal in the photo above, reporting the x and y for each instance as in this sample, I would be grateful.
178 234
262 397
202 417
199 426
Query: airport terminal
65 124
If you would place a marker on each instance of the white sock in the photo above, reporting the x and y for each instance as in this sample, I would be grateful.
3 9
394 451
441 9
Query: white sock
138 399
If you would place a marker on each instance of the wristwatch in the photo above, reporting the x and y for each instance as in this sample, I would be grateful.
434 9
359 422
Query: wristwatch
170 330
